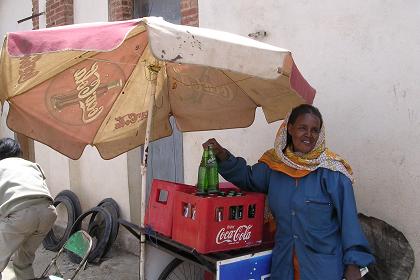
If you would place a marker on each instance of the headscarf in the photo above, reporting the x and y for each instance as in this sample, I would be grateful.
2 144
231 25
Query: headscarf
298 165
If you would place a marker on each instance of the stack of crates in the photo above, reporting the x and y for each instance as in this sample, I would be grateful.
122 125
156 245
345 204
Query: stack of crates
207 223
159 211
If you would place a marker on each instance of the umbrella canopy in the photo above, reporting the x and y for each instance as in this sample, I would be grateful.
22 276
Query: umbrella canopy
90 83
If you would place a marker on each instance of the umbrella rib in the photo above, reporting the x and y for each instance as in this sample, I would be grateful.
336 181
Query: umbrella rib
235 82
221 85
107 118
110 61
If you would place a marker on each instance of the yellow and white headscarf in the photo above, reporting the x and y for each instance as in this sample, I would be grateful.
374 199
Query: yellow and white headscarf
298 165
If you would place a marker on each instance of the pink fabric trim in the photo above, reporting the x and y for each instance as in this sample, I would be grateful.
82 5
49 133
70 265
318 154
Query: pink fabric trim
83 37
301 86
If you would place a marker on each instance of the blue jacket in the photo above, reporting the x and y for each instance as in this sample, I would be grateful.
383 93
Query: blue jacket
315 215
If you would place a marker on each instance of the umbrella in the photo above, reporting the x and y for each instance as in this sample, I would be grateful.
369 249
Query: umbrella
89 84
100 84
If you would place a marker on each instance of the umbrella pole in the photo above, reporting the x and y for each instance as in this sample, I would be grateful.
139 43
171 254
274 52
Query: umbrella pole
153 80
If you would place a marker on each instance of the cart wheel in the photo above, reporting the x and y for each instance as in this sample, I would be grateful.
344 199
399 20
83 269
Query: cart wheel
180 270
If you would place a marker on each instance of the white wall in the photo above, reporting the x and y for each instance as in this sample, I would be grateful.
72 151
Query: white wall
94 179
91 177
4 130
363 59
90 11
55 166
250 143
9 15
42 18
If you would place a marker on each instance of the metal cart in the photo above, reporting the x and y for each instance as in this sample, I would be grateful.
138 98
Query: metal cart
188 263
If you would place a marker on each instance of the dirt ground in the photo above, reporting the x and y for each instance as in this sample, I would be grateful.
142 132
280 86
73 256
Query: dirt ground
118 264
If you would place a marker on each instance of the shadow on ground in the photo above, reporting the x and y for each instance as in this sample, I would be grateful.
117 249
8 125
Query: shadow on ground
117 265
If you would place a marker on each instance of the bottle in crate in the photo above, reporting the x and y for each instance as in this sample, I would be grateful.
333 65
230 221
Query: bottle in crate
212 173
202 180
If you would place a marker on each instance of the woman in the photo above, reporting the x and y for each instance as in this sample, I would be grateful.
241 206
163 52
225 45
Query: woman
310 194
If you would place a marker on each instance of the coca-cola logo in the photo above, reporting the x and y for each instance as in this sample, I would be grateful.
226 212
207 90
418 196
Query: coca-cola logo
85 92
232 235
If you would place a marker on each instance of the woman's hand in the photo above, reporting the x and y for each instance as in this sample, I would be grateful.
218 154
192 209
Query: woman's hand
352 272
220 152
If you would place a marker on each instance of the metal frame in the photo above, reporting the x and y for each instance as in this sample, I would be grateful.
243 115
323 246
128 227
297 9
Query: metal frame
185 253
79 267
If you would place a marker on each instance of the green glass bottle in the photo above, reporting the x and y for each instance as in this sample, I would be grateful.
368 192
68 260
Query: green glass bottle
212 173
202 181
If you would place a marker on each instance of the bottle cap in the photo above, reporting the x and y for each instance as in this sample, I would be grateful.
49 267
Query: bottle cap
222 194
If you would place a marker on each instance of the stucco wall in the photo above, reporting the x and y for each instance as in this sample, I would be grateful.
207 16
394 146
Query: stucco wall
92 177
9 16
362 57
83 11
89 174
55 165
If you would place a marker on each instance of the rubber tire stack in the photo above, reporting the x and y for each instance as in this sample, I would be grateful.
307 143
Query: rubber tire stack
97 225
100 238
71 202
103 225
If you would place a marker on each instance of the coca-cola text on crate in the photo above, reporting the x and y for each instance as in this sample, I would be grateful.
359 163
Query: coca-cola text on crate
220 223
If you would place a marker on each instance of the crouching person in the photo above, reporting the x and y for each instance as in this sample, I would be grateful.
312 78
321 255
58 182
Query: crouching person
26 209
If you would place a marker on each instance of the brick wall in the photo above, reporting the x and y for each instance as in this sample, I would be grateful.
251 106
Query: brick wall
35 10
189 12
59 12
124 9
120 10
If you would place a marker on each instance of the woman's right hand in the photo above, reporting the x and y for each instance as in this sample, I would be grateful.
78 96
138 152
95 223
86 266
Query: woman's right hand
220 152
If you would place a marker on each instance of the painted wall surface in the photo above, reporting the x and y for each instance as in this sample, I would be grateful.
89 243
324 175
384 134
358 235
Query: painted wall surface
55 166
91 176
90 11
362 57
9 15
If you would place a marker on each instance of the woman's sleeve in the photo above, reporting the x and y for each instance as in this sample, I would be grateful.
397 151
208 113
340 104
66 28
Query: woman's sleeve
356 248
251 178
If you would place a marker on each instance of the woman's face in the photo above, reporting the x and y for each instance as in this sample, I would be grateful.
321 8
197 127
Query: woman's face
304 132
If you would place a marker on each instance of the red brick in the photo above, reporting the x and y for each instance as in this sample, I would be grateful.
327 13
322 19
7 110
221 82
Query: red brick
35 10
59 12
54 6
120 9
61 21
184 5
189 12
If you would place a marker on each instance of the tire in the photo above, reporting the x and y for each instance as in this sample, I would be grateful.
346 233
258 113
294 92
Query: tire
102 236
96 223
69 199
180 270
110 202
132 228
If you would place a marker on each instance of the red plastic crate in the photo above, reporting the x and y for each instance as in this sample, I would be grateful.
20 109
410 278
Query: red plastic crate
160 208
269 227
227 186
205 233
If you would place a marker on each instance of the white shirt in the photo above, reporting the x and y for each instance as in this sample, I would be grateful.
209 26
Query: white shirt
22 183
